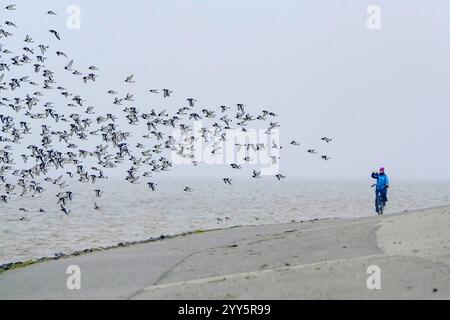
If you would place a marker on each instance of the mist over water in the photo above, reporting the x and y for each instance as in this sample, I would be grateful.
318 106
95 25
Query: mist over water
132 212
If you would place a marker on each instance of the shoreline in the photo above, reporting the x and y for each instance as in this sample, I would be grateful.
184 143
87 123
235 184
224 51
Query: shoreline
61 255
318 259
57 256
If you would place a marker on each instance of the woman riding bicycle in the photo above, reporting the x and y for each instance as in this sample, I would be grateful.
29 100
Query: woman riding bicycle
382 185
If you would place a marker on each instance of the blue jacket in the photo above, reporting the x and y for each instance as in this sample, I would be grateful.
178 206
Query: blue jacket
382 180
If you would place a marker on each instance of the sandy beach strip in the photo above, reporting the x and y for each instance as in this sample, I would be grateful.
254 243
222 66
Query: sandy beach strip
327 259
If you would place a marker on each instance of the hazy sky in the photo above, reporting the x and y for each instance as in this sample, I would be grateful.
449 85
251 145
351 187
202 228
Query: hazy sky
383 95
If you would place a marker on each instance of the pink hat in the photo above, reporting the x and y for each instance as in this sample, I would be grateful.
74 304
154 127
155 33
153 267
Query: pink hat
382 169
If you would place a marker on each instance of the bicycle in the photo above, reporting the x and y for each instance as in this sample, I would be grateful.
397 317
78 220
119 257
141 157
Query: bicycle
379 203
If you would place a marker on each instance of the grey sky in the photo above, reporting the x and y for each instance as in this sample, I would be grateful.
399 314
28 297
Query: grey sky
382 95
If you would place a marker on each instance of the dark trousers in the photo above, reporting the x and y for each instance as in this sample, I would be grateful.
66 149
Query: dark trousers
382 193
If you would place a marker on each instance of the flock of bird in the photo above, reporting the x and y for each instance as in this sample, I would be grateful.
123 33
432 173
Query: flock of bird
69 125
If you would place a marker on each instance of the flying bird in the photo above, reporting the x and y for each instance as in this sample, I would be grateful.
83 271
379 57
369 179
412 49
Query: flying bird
56 34
129 79
256 174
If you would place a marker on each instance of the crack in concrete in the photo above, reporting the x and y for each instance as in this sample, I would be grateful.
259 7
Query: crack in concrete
242 241
260 272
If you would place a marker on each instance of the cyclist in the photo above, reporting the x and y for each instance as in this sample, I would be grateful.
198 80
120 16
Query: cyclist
381 186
